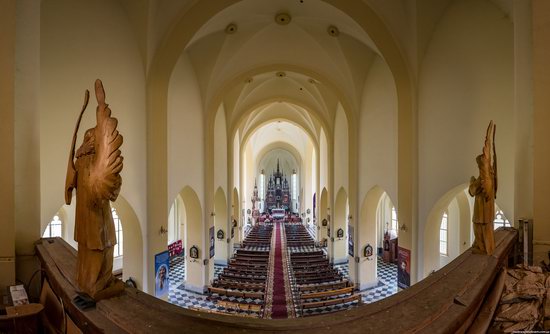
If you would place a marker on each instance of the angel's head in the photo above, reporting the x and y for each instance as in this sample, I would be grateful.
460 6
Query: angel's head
88 142
479 160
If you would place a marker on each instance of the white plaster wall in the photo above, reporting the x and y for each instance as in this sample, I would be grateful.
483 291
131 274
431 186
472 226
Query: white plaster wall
220 150
378 132
236 162
307 181
80 42
341 150
466 80
185 132
323 163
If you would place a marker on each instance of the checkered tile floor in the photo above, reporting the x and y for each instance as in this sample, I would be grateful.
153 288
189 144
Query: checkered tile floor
387 286
187 299
312 230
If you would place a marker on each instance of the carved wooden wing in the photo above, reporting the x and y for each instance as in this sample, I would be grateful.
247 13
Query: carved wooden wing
486 168
104 174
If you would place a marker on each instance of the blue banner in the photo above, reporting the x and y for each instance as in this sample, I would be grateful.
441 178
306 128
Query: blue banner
162 268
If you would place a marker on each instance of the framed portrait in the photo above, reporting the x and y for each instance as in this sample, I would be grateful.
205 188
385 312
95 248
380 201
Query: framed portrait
162 269
367 252
350 241
194 252
220 234
403 268
340 233
212 242
324 222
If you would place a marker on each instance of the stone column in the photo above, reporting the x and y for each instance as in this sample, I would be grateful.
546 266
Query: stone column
541 126
7 144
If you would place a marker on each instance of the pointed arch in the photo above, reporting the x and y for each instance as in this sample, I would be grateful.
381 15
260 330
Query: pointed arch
220 223
133 251
194 272
341 210
431 260
368 235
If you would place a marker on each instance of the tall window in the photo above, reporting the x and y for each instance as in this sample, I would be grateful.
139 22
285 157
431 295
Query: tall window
118 232
261 190
500 220
393 225
443 235
54 228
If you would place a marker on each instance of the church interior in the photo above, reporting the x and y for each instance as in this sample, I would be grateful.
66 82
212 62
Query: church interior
285 161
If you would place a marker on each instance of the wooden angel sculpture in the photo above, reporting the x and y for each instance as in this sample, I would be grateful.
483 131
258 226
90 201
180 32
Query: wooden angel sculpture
484 189
95 176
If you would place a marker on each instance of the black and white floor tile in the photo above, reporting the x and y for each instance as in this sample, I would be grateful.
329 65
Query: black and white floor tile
312 230
387 286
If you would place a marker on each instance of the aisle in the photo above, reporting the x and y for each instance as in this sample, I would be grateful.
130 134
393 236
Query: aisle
279 303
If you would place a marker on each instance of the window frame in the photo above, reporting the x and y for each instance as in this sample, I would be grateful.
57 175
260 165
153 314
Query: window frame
118 250
444 218
48 229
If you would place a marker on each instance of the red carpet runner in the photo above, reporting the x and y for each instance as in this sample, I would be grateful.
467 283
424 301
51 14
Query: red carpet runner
279 297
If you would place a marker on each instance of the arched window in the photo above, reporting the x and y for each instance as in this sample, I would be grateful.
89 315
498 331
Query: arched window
500 220
54 228
118 231
443 235
394 225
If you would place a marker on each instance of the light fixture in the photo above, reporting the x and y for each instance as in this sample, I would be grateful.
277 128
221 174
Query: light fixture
282 18
333 31
163 230
231 28
212 214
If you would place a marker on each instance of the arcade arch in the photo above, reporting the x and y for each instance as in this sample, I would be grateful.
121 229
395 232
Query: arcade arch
131 259
182 36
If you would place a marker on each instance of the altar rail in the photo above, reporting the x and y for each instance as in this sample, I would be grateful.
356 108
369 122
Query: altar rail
447 301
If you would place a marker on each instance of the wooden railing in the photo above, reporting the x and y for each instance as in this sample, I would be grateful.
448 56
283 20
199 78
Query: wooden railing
445 302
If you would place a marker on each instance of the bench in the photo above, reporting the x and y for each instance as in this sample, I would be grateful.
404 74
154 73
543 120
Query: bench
230 284
325 286
234 293
328 293
329 302
240 306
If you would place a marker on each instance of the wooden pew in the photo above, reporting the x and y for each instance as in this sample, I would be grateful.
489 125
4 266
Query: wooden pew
231 284
327 293
236 293
324 286
335 301
240 306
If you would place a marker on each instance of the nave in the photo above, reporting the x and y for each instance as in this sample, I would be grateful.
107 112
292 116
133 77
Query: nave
262 307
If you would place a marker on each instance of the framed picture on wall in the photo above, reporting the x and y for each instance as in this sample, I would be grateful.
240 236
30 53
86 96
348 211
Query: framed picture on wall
367 252
340 233
194 252
212 243
162 269
350 240
403 268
